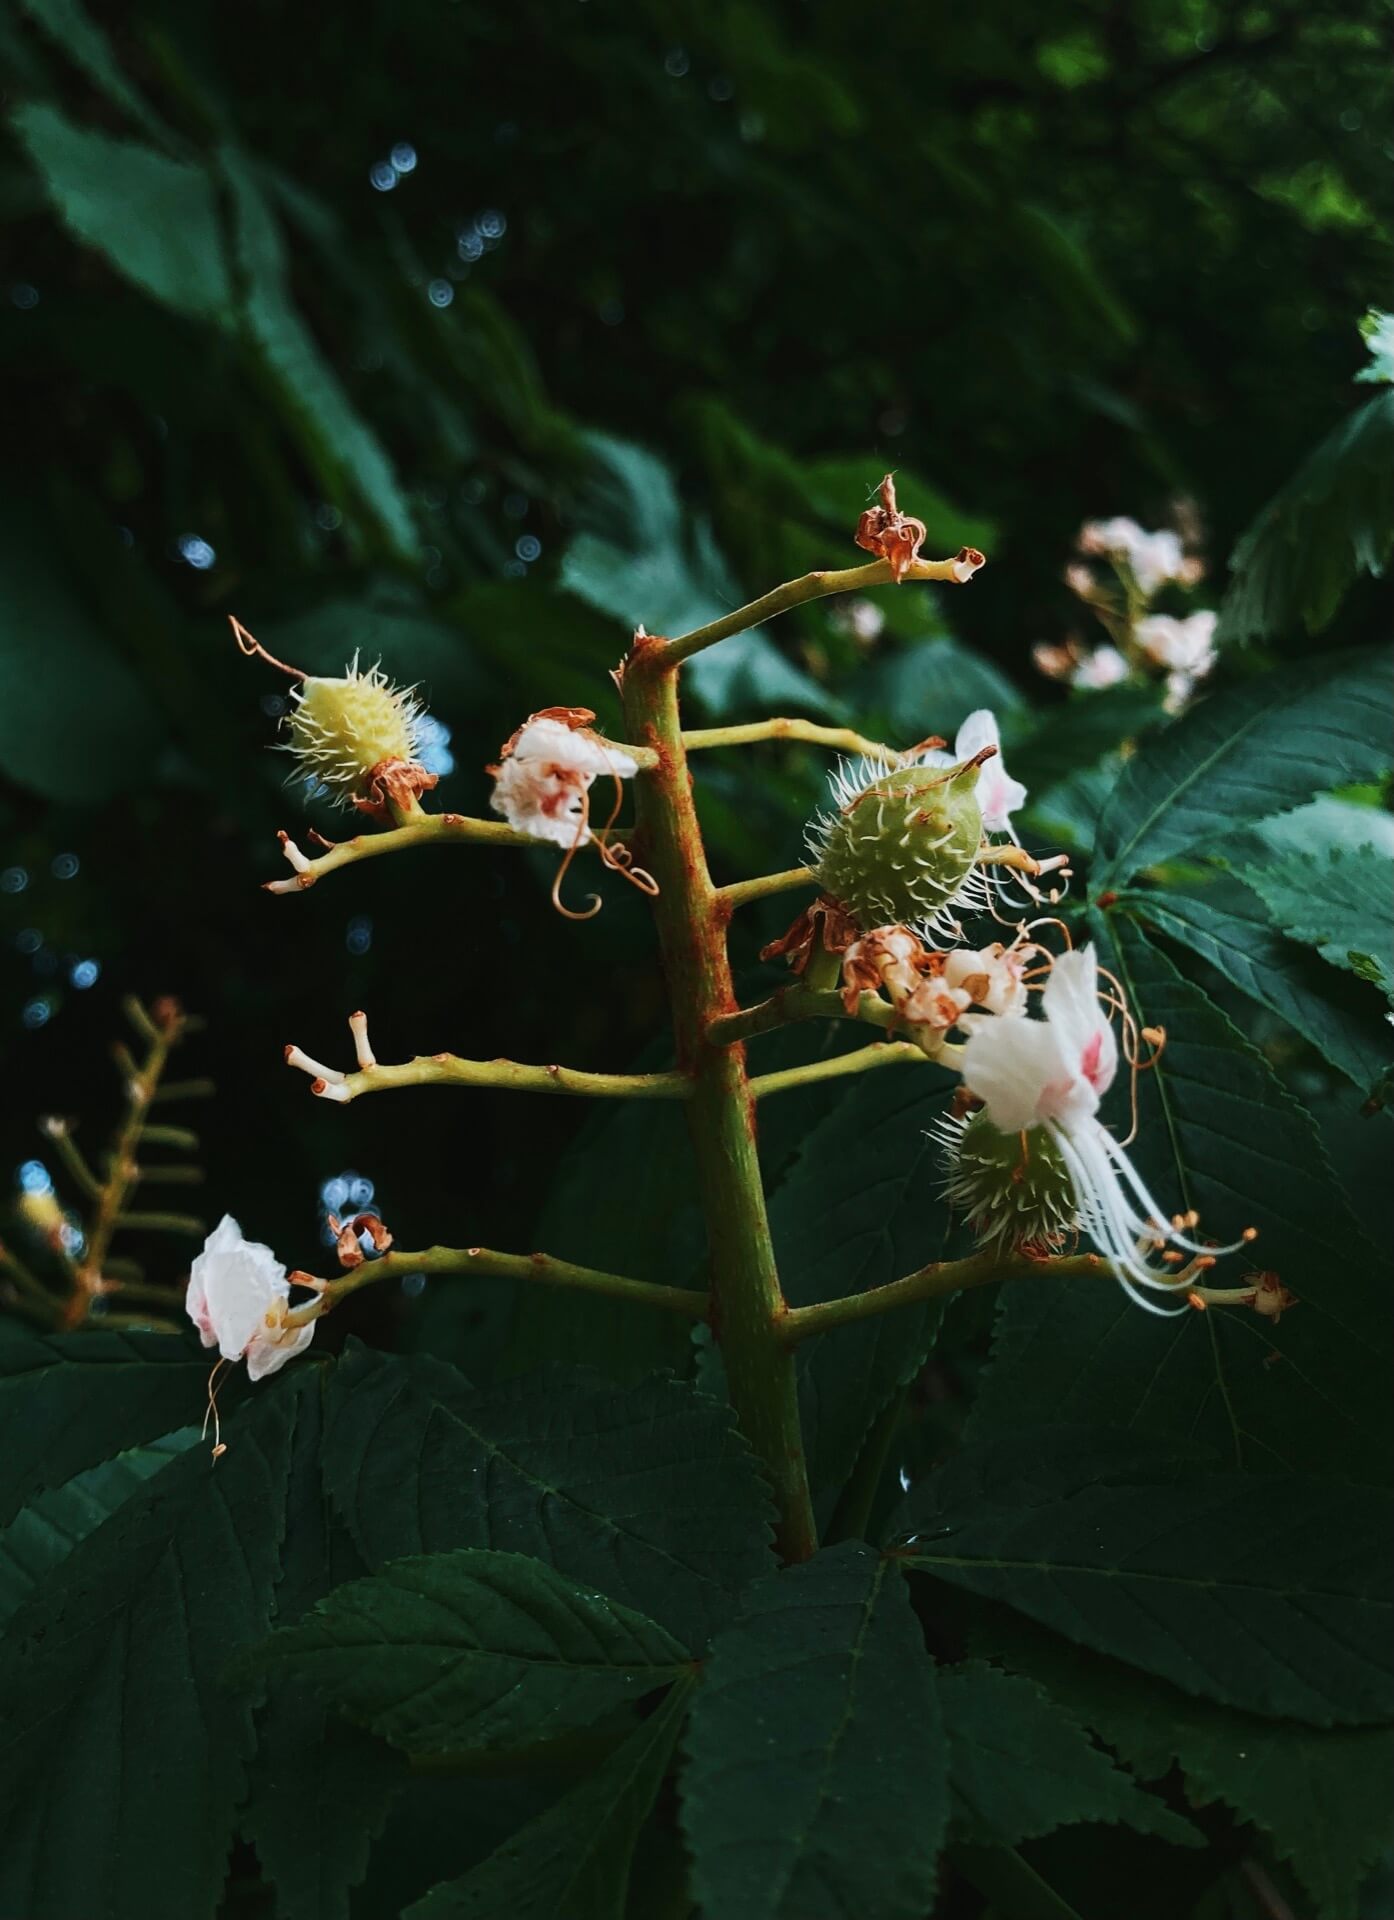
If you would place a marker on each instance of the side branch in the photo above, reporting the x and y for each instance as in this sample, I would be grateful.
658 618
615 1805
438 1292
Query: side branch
423 830
541 1268
447 1070
878 1054
740 892
797 1002
842 738
815 586
935 1282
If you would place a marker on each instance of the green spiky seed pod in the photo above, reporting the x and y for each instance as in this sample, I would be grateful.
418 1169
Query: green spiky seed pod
901 846
341 729
1014 1189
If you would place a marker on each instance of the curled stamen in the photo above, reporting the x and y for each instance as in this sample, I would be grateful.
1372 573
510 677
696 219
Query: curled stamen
570 913
219 1449
254 650
619 859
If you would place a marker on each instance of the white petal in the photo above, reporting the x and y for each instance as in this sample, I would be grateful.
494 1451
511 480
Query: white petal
269 1354
1009 1064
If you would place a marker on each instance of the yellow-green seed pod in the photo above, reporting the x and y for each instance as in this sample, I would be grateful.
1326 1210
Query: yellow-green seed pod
341 729
900 847
1014 1189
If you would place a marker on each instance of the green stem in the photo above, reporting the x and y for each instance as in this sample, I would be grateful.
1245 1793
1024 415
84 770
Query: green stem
446 1070
739 892
812 586
934 1282
422 830
540 1268
809 730
878 1054
798 1002
747 1304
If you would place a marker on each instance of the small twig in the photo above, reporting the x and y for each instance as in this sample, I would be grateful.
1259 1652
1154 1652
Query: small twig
740 892
878 1054
423 830
843 738
797 1002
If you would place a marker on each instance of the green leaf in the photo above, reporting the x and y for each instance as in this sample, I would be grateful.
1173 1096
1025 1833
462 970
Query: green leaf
76 723
1333 520
859 1207
933 687
647 1493
1228 926
1197 1583
1217 1132
1377 331
126 1754
46 1531
74 31
1240 756
1342 905
155 219
816 1780
1016 1888
336 440
453 1652
67 1401
1019 1766
573 1861
1321 1797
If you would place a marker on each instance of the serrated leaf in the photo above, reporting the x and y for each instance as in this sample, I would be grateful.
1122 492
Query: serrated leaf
1217 1132
933 687
859 1207
646 1493
1343 905
573 1861
1019 1766
67 1401
816 1781
1239 756
1333 520
454 1652
46 1531
1228 926
155 219
1197 1583
319 1790
1322 1797
126 1755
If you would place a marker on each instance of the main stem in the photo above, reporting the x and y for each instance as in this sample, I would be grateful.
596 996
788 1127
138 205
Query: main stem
747 1304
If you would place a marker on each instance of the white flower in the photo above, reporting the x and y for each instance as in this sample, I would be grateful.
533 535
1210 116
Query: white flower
1053 1073
546 771
994 978
1104 667
998 794
1151 558
238 1296
1183 646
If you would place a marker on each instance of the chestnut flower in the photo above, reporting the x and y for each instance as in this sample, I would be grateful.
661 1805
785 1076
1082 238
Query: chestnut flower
238 1297
1053 1073
546 771
1152 559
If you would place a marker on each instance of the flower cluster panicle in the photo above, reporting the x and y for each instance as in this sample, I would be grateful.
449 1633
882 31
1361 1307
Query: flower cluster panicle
1052 1073
932 992
1140 640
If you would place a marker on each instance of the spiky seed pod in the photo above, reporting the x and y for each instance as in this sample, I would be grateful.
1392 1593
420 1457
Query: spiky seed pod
342 729
1014 1189
900 848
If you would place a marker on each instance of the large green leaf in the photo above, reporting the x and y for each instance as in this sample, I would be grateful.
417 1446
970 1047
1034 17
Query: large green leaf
1019 1766
1333 520
155 219
335 438
1342 905
933 687
647 1493
859 1207
46 1531
126 1754
319 1789
67 1401
76 724
1228 926
1199 1583
1320 1795
573 1861
816 1783
471 1649
1217 1132
1240 756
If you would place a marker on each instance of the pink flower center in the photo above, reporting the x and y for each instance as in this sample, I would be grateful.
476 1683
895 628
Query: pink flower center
1089 1060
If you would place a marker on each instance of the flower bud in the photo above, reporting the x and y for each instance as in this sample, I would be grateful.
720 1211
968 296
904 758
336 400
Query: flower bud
1014 1189
901 846
344 731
